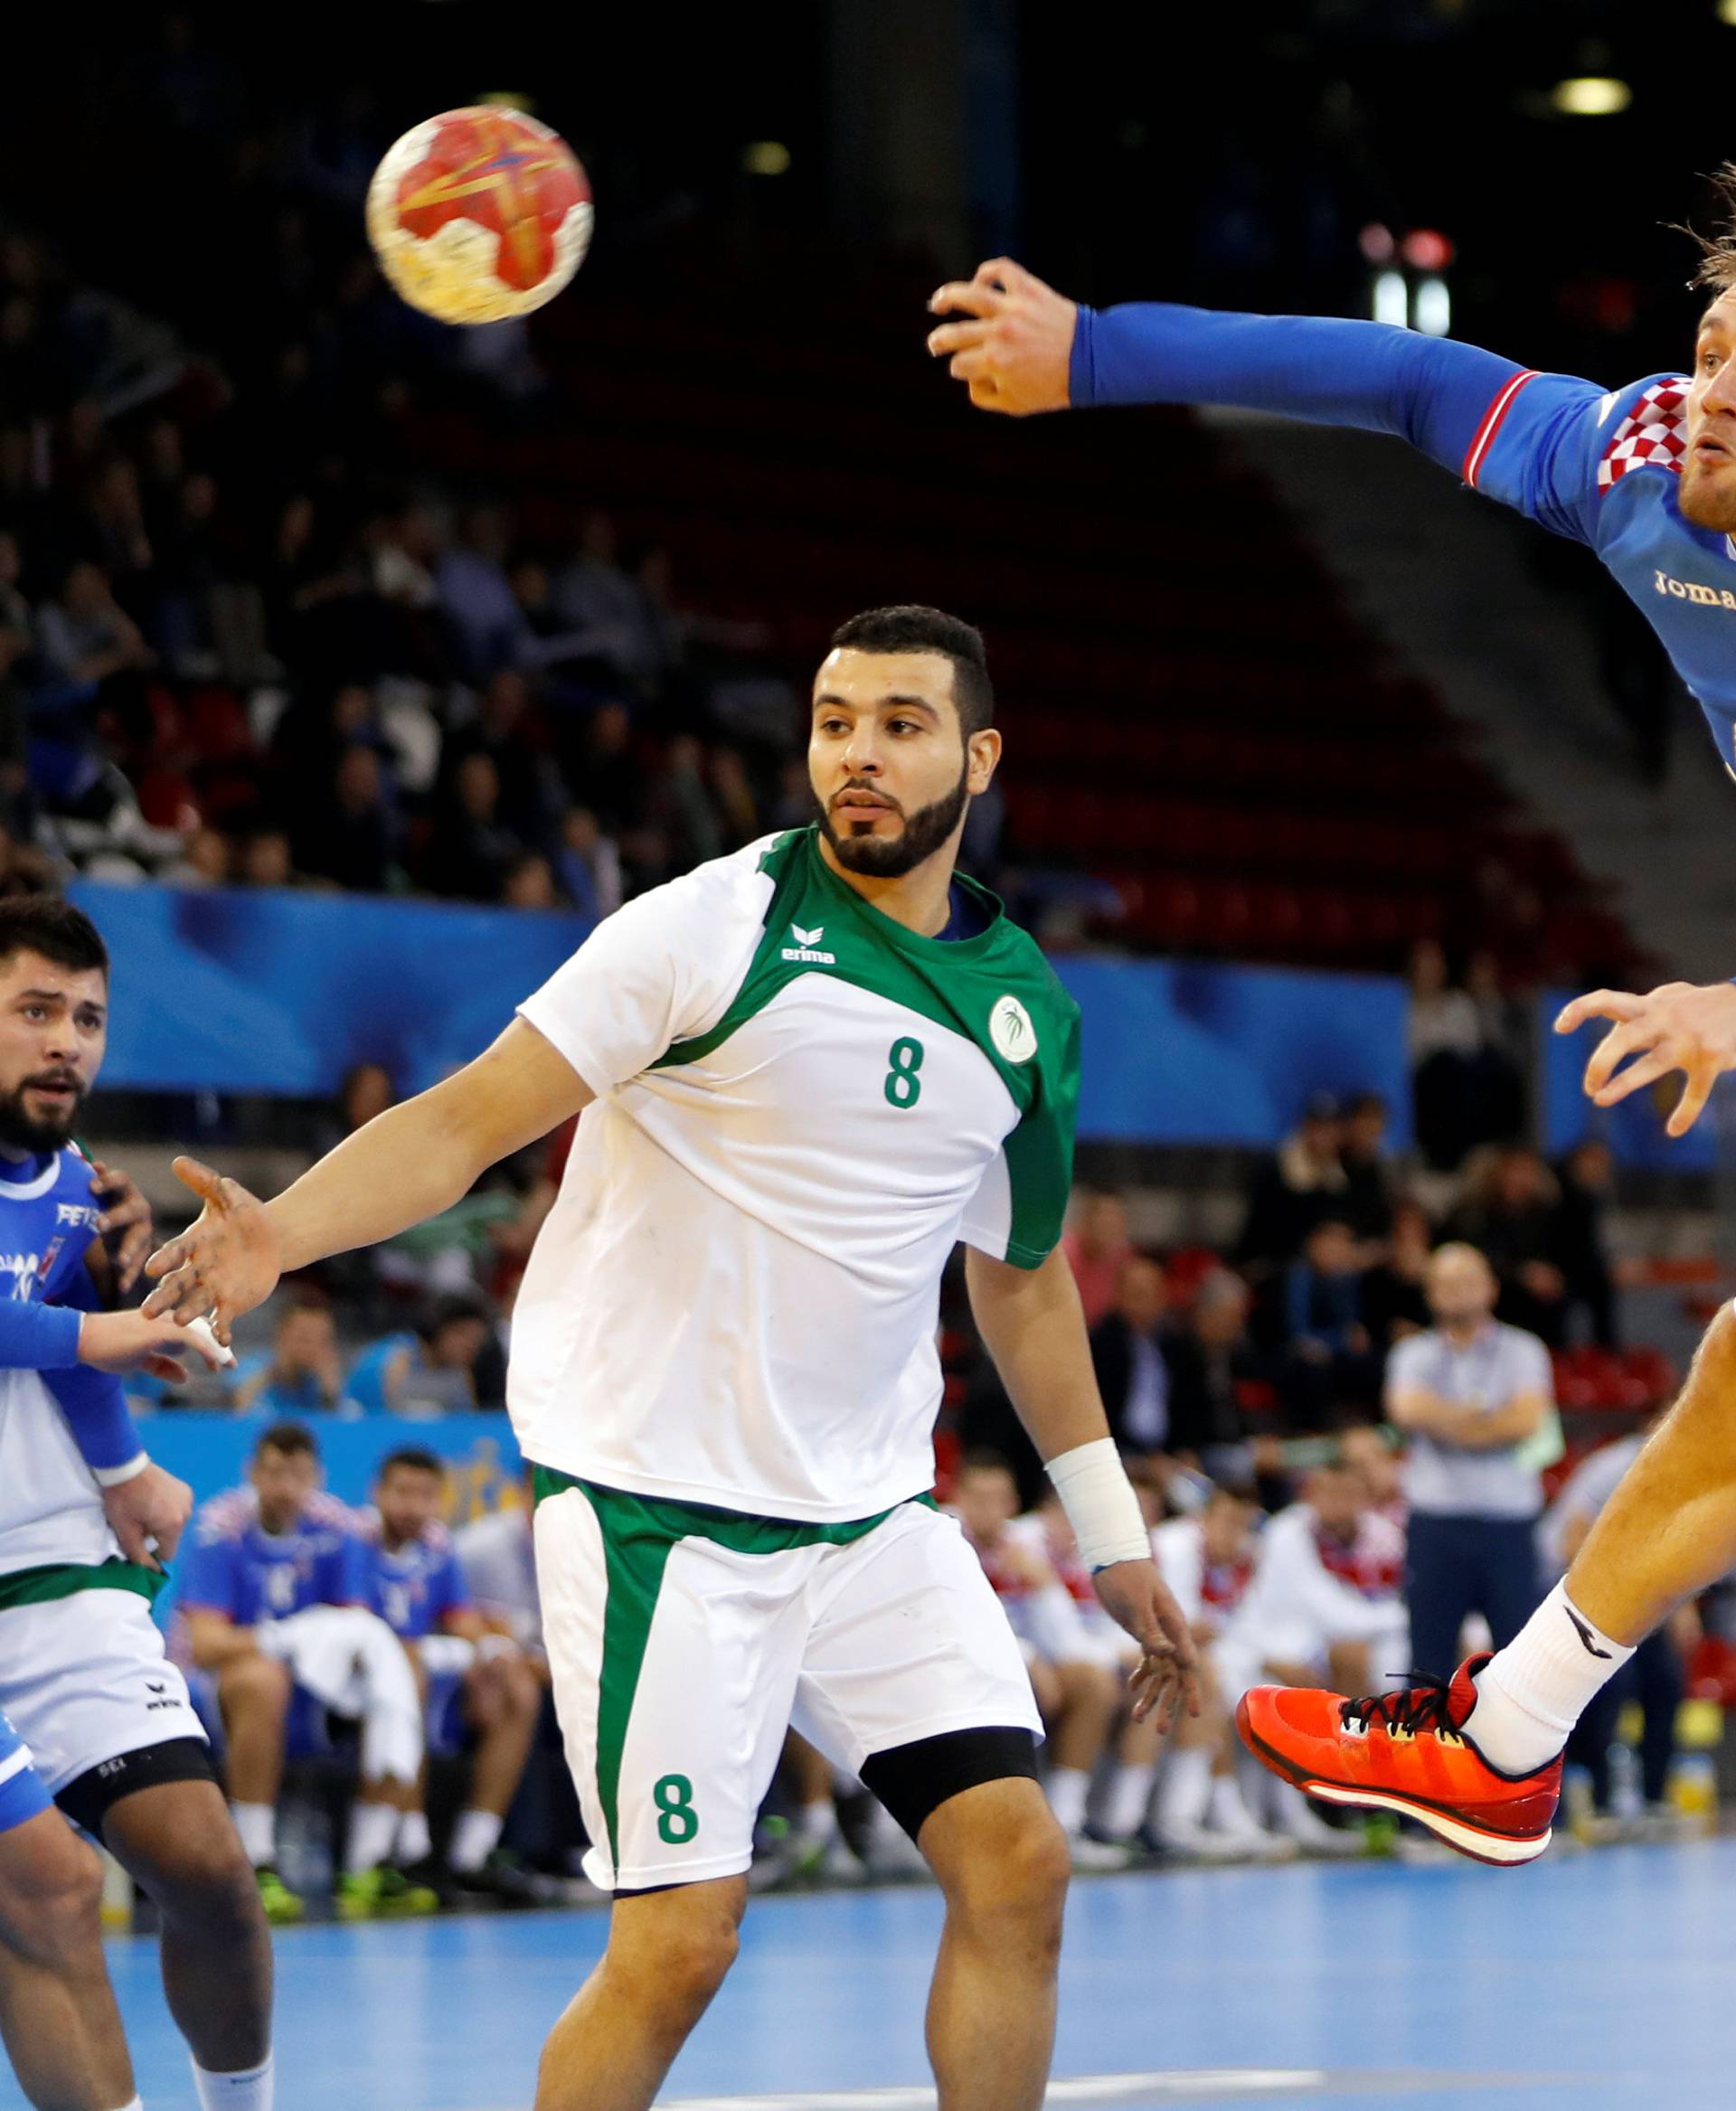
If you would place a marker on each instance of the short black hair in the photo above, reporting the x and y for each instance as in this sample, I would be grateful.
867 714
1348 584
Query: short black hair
980 1460
414 1458
909 626
44 924
293 1439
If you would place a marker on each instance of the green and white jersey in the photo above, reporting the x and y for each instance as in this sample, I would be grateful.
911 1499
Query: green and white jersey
801 1106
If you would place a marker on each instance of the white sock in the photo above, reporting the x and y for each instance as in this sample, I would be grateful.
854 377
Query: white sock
1530 1694
252 2090
475 1838
256 1826
1227 1809
372 1828
1128 1800
414 1842
1186 1789
1068 1788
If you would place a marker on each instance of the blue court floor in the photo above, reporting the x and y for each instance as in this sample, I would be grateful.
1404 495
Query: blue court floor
1592 1981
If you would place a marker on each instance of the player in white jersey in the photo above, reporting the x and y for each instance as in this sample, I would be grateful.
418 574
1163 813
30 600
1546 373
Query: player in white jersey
83 1674
800 1093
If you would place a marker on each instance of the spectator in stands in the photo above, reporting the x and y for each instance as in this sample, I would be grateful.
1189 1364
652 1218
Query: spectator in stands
351 836
264 860
1366 1203
1469 1393
588 865
433 1369
1128 1356
498 1556
1077 1695
1395 1300
477 598
595 601
604 771
1366 1448
1325 1357
530 795
1587 1178
465 1665
1511 1214
273 1591
1445 1039
85 637
473 851
1097 1249
302 1373
529 883
1654 1675
1211 1357
1293 1190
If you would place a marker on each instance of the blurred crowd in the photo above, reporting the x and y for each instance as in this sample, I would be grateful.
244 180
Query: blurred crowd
241 645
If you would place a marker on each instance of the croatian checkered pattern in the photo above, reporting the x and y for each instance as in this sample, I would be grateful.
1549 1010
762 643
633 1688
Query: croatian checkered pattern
1655 430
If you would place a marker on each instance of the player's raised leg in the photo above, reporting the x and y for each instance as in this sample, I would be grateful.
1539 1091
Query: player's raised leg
1002 1864
58 2017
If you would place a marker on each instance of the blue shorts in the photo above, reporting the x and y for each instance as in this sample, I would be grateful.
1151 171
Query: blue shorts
22 1794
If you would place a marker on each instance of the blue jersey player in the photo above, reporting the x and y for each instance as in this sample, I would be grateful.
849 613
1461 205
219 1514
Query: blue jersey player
84 1679
1645 475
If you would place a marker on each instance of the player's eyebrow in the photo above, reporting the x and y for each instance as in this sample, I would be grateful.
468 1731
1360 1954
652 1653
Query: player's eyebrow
59 997
830 698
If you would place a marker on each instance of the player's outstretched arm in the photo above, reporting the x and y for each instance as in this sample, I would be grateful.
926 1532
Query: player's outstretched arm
1019 346
1681 1026
407 1165
1032 1323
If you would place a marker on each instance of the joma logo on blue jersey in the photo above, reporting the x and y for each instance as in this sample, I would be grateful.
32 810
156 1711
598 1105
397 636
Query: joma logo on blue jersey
1689 590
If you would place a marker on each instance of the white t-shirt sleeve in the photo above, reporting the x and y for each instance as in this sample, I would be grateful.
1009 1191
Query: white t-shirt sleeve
661 969
1533 1369
1407 1363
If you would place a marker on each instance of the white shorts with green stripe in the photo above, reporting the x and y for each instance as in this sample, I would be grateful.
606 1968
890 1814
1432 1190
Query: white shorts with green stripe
684 1641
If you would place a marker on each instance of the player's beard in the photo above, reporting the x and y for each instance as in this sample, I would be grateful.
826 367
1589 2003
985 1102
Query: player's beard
1707 502
23 1131
878 857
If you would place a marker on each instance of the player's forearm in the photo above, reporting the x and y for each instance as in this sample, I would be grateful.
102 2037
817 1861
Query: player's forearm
1033 1328
402 1167
1325 369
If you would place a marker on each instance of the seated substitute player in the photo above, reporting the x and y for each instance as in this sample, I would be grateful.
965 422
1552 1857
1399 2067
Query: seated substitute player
416 1586
83 1674
806 1070
1645 476
274 1609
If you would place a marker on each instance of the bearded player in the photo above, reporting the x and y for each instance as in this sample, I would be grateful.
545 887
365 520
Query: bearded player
1646 476
83 1677
808 1069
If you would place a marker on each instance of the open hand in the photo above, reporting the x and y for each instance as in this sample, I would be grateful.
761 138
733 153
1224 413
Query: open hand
1167 1675
1678 1027
223 1264
1014 350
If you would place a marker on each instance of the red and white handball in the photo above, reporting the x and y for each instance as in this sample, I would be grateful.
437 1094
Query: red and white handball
480 214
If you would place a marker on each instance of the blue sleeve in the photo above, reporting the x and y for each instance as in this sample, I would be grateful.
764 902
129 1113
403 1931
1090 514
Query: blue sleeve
1432 391
96 1411
209 1573
37 1337
1560 445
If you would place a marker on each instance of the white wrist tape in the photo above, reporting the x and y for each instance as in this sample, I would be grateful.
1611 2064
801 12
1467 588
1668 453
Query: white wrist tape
114 1476
1101 1504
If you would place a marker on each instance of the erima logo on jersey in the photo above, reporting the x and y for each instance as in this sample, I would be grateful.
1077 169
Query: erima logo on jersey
1011 1031
1691 591
807 945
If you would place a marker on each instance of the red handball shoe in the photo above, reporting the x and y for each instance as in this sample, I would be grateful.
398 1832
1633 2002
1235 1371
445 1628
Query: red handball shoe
1404 1752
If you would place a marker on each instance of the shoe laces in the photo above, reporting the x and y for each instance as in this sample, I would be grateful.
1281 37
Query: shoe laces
1422 1707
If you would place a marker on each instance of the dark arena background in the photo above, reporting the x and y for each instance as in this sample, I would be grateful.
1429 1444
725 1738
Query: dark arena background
354 666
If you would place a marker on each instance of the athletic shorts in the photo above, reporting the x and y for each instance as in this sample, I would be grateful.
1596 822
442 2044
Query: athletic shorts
682 1642
22 1794
84 1678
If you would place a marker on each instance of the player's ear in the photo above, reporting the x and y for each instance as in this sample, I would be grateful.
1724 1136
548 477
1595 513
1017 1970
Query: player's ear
983 752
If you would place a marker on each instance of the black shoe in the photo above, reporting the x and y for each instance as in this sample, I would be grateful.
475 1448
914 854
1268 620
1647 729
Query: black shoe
500 1882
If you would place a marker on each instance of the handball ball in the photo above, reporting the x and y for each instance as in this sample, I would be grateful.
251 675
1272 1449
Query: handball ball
480 214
